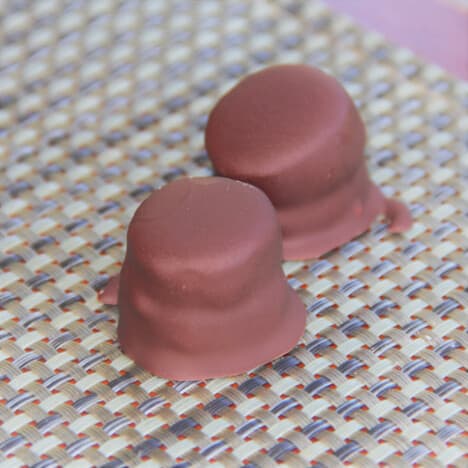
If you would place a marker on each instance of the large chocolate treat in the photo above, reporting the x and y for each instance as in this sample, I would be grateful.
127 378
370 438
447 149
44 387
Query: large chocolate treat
294 132
201 292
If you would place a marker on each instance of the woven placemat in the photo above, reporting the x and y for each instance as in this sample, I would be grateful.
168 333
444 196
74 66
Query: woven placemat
103 101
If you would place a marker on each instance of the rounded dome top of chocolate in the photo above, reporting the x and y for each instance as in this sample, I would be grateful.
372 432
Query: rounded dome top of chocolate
197 220
281 116
201 292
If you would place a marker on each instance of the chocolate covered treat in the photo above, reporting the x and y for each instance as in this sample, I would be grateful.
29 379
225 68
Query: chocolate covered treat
201 292
294 132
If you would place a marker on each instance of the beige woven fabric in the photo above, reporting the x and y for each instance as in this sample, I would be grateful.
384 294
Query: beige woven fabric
103 101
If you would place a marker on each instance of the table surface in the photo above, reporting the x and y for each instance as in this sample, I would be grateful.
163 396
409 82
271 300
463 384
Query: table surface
103 102
437 30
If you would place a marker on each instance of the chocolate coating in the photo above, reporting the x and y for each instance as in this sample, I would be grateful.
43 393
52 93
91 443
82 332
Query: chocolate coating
294 132
201 292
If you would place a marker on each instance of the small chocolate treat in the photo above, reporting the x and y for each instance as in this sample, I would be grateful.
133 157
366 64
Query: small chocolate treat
294 132
201 292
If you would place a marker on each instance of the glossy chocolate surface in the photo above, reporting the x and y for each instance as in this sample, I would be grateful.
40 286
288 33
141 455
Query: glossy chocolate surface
294 132
202 293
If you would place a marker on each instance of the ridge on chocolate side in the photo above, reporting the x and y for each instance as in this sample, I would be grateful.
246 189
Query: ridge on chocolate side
201 292
294 132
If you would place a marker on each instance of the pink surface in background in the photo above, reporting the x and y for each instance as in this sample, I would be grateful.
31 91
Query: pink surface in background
437 30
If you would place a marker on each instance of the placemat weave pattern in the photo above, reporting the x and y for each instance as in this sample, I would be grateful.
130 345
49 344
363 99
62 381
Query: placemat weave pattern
102 102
